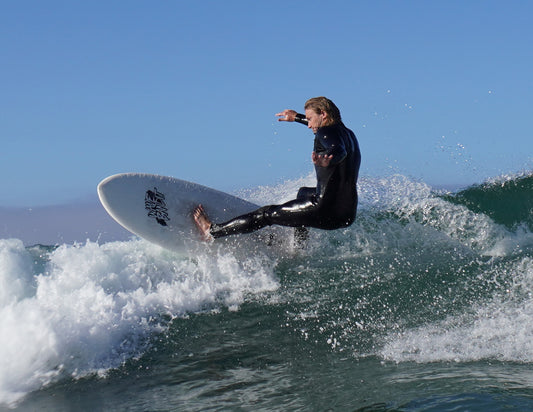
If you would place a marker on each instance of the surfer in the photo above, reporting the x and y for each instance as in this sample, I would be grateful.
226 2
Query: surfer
331 204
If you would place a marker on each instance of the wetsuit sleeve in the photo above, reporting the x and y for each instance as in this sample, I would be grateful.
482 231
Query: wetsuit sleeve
300 118
330 144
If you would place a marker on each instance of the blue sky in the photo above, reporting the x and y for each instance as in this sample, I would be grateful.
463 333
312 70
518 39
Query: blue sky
441 91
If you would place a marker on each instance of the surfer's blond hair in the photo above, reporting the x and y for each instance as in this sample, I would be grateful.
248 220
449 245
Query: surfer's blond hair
323 104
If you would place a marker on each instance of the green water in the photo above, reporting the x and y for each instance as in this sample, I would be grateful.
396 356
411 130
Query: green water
424 304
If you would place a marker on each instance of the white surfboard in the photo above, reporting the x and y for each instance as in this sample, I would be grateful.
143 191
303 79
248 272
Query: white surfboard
159 208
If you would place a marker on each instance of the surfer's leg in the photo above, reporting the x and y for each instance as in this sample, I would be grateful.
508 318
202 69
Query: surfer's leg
295 213
246 223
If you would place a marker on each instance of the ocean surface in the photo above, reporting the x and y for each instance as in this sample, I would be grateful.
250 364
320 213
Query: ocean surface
424 304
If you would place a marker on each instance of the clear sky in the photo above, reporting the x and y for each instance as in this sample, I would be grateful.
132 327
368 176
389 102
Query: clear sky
441 91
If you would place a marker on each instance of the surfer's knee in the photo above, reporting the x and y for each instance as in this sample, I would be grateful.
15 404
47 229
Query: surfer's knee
264 216
306 192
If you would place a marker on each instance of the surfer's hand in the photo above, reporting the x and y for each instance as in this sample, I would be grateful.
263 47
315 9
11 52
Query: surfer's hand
286 115
321 160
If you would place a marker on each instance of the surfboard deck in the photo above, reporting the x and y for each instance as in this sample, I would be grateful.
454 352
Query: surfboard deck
159 208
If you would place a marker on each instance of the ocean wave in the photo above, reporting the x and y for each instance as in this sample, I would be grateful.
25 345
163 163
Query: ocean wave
420 276
92 307
495 327
507 200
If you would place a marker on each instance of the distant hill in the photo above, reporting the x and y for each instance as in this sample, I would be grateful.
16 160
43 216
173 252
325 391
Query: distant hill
51 225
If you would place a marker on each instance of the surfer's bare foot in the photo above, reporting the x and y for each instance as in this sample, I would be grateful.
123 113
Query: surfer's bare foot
202 223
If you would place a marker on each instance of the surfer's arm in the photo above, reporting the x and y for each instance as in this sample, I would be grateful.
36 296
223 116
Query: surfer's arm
291 116
300 118
330 148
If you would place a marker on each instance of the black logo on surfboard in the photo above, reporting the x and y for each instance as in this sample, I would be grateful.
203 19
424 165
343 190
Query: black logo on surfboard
154 202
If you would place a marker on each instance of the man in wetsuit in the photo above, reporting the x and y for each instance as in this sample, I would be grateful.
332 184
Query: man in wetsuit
331 204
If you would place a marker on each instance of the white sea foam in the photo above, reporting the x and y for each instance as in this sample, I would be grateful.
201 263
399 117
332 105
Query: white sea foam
16 276
495 327
498 328
95 306
414 202
419 214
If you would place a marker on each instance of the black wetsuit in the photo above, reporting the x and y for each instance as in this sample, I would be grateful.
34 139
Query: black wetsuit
330 205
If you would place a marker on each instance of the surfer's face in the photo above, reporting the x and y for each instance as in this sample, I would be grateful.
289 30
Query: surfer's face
314 119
